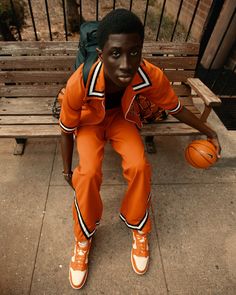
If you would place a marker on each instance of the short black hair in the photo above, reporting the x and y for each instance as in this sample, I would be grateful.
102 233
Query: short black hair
119 21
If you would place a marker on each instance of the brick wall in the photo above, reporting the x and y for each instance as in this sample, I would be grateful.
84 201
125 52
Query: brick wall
186 14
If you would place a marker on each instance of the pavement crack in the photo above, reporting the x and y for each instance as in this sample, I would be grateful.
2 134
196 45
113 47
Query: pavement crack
159 248
43 217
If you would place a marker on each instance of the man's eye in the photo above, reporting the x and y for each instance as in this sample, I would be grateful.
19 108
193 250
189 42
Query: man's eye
134 53
115 53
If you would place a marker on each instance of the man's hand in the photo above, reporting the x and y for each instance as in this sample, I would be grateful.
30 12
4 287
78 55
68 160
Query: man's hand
67 143
68 178
216 143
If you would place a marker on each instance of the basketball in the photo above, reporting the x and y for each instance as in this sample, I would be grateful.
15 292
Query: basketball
201 154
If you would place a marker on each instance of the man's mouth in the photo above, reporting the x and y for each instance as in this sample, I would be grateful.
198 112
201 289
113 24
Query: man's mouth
125 78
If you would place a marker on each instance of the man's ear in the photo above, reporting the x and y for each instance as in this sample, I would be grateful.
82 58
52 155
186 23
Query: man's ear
99 52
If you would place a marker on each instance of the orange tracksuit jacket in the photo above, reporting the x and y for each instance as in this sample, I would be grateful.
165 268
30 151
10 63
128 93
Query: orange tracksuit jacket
83 112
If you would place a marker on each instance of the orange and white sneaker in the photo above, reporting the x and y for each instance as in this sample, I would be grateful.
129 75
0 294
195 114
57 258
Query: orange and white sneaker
140 252
79 264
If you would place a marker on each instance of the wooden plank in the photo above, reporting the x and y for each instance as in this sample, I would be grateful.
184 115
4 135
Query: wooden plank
34 76
186 101
180 48
173 62
181 90
32 62
21 131
52 90
49 119
204 92
27 119
30 90
38 47
178 76
62 76
43 106
26 106
70 47
167 129
65 61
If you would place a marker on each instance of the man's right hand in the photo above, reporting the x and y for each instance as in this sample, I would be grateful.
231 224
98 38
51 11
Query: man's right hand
68 178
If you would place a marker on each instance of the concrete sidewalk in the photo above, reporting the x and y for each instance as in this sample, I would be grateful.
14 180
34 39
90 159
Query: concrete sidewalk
193 242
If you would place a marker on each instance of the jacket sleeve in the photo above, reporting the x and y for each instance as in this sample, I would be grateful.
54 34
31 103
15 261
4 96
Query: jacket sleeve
72 103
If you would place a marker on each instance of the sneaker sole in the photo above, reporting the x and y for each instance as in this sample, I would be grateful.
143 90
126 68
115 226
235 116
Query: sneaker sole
134 267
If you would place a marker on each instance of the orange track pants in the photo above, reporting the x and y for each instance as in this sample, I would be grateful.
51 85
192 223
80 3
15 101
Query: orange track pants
87 177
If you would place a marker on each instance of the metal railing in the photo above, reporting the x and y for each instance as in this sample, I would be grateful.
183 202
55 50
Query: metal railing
158 18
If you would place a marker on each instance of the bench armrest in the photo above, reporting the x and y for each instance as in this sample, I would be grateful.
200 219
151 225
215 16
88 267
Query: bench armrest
209 98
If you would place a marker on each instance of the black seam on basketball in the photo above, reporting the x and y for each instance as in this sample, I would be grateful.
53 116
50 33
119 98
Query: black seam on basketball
202 154
194 164
203 143
191 160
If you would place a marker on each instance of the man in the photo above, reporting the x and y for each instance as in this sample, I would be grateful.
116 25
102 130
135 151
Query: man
106 110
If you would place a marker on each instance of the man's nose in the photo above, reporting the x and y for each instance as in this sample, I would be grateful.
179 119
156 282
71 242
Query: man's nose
124 63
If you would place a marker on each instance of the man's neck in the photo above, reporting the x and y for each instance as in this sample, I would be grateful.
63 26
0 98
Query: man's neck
110 87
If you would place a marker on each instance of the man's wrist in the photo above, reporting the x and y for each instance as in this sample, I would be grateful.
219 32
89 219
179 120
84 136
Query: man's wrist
67 174
213 136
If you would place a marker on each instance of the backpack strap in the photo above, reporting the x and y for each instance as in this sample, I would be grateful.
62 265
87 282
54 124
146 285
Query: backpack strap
87 53
91 58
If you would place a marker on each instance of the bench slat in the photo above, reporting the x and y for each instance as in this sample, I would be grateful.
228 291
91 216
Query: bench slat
26 106
179 48
54 130
30 62
43 105
62 76
168 129
14 119
178 76
19 131
173 62
52 90
34 76
70 47
30 90
65 62
35 47
28 119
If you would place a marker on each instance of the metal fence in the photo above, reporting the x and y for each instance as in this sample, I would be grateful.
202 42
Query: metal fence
158 23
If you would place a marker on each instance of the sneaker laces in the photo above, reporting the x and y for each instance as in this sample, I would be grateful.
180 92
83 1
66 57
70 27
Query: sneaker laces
141 244
80 254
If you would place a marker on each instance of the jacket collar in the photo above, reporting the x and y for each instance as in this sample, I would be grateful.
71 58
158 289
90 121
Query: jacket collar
96 81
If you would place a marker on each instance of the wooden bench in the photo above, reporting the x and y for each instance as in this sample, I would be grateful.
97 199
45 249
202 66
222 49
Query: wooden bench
31 74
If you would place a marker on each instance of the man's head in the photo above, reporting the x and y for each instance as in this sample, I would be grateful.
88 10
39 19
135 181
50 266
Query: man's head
120 39
119 21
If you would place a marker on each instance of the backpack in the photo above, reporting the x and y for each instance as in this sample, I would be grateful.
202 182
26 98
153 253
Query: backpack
86 54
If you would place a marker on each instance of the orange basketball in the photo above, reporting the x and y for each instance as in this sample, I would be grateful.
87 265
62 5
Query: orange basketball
201 154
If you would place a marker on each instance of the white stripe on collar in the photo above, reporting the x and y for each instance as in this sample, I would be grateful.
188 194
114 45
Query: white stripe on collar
146 81
91 91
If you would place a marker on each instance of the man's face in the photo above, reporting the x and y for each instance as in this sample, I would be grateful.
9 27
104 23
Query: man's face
121 57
